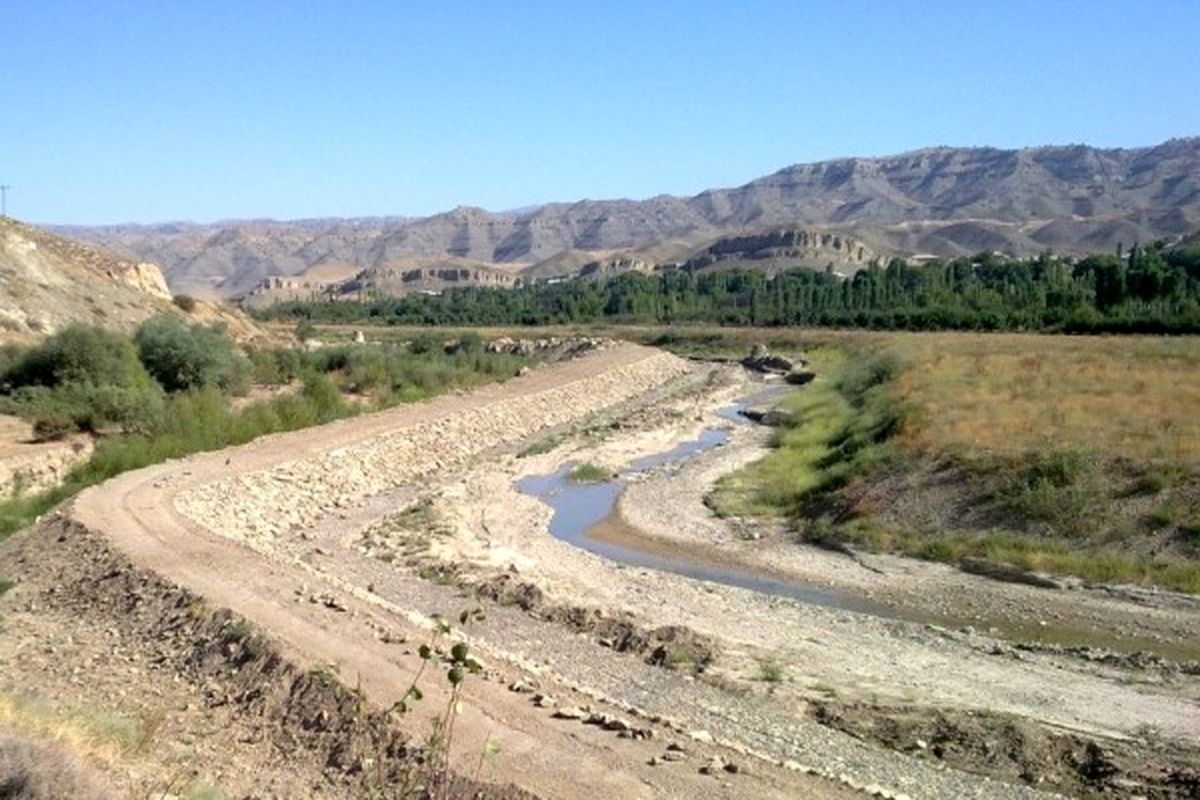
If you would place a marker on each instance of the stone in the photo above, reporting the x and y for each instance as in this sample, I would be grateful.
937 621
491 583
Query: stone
570 712
800 377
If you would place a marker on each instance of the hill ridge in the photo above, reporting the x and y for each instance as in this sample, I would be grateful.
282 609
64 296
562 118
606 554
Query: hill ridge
944 201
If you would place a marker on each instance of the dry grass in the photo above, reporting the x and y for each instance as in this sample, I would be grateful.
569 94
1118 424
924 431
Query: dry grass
1132 397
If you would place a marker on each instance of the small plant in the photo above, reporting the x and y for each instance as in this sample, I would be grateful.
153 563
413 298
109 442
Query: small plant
1166 515
433 777
588 472
770 671
184 302
543 445
305 330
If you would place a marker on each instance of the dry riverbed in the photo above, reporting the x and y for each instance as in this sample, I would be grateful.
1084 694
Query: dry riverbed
611 679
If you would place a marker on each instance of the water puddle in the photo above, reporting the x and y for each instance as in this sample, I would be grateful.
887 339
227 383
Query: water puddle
585 516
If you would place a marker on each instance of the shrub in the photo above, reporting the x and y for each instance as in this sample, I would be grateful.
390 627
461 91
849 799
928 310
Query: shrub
182 356
276 366
82 378
184 302
305 330
589 473
78 354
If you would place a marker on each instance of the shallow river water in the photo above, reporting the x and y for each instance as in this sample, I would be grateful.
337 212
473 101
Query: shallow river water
581 509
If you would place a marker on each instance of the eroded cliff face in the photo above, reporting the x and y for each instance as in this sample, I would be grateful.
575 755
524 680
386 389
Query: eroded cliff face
798 246
48 282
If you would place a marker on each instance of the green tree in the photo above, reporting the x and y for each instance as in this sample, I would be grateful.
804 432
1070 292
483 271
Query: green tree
182 356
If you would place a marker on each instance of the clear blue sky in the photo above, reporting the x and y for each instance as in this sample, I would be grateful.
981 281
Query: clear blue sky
127 111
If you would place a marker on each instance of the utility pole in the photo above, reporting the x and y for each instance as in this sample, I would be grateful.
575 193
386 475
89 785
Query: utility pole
4 200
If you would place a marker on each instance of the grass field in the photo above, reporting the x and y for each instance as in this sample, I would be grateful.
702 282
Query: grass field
1128 397
1072 455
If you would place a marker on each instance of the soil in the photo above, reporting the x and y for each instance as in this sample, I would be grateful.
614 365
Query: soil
592 670
306 596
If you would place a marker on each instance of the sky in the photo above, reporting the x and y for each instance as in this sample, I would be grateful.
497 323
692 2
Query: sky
116 112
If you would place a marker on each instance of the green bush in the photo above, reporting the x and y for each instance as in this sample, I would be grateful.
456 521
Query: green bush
182 356
276 366
185 303
78 354
82 378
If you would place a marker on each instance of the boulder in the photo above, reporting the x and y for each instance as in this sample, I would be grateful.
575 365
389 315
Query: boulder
800 376
760 360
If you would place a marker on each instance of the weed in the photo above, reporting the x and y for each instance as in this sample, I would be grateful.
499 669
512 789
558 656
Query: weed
1166 515
589 473
543 445
769 671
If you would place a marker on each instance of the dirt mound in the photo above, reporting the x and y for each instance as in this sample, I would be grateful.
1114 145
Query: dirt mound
305 713
670 646
1010 747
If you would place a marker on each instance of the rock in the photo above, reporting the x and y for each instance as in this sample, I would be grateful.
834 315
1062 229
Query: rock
799 377
570 712
544 701
702 736
674 755
715 764
360 337
760 360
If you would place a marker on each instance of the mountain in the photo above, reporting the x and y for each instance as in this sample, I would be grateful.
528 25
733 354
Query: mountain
941 201
47 282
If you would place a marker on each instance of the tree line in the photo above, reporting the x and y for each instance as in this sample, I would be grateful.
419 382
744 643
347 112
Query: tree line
1147 289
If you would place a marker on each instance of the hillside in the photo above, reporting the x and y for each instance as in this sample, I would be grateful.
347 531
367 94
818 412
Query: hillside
47 282
941 201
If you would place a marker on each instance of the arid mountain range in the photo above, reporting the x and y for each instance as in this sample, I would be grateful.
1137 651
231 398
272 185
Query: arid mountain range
939 201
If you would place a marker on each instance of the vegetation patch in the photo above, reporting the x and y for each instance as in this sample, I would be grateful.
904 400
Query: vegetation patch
833 430
1147 290
1070 456
588 472
168 391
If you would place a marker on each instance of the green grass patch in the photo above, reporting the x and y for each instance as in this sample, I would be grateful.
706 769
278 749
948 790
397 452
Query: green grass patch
588 473
769 671
837 427
1027 551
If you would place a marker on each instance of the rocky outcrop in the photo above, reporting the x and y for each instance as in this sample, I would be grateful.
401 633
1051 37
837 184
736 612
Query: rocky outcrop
797 246
435 278
47 282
